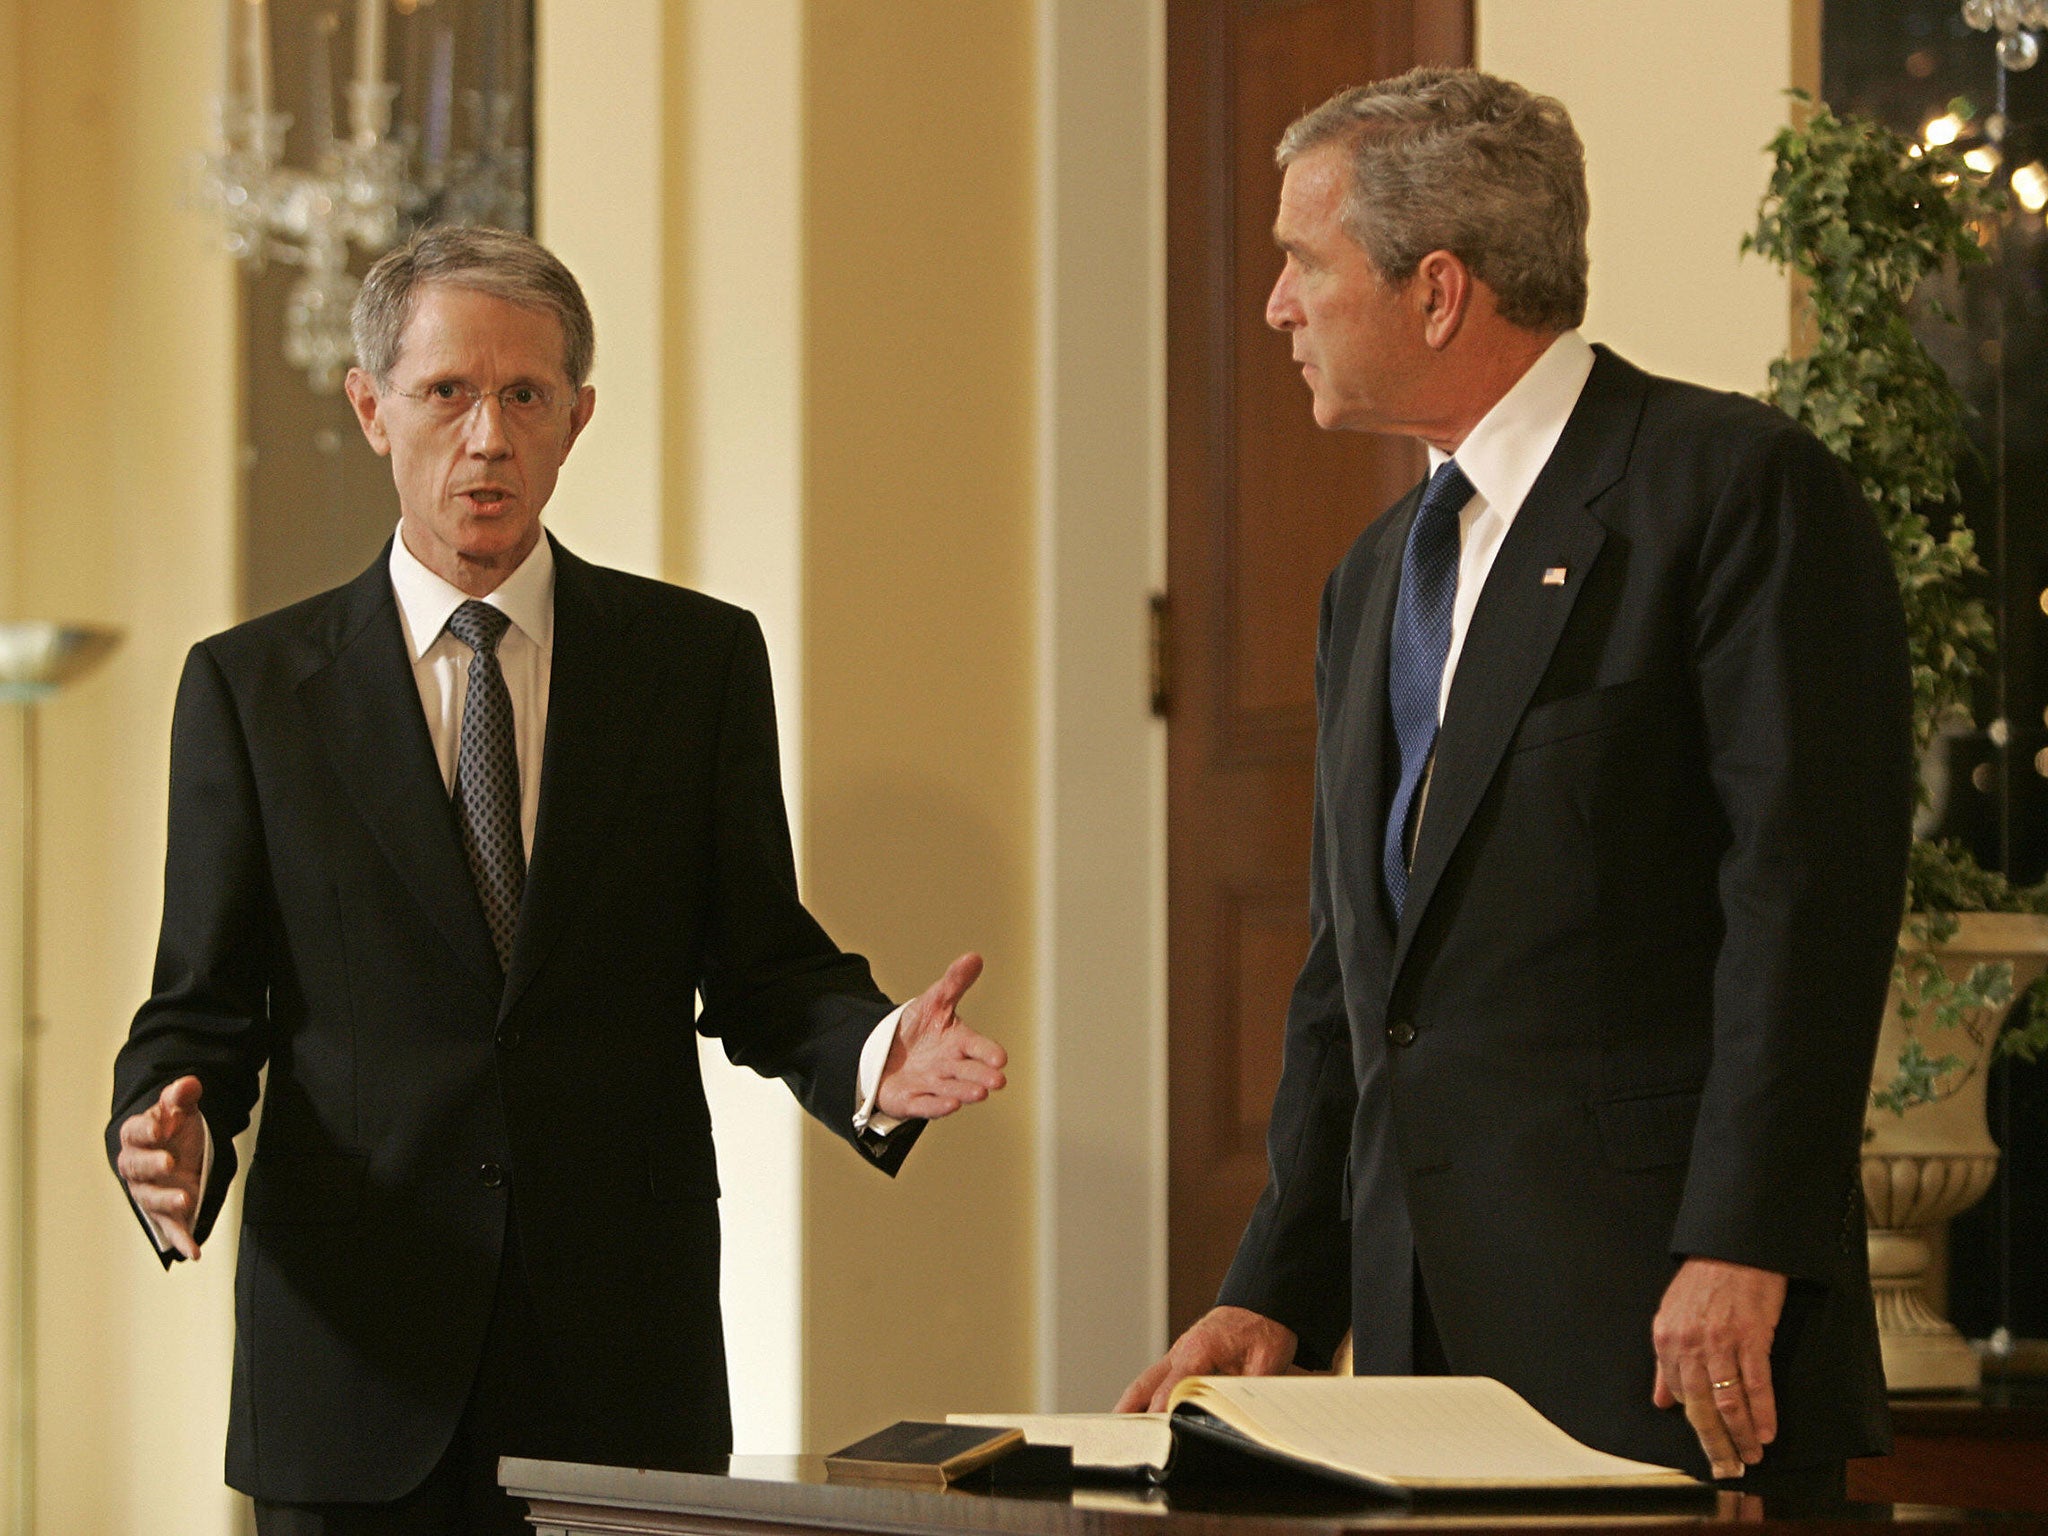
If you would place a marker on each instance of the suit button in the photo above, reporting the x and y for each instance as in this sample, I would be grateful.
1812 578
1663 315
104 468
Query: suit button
492 1174
508 1038
1401 1032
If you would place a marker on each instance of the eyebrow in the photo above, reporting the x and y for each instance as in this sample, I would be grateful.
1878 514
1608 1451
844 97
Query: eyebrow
457 376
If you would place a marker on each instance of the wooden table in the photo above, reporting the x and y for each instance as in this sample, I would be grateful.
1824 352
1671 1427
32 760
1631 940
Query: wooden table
789 1496
1985 1449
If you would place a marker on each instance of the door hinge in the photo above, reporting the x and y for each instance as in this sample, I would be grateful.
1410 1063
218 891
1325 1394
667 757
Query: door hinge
1162 656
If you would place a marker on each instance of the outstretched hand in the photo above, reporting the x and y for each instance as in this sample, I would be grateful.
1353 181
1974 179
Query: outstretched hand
163 1150
1224 1341
937 1063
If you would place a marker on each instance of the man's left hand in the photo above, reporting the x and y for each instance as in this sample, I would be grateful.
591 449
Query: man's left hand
1713 1339
937 1063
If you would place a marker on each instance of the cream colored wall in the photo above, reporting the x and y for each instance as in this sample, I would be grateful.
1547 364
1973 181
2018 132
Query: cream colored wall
600 85
121 480
1675 104
918 672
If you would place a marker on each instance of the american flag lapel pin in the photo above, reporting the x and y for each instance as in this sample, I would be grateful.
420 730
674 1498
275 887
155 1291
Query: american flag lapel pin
1554 577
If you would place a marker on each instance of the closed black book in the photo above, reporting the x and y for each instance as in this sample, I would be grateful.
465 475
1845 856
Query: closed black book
913 1452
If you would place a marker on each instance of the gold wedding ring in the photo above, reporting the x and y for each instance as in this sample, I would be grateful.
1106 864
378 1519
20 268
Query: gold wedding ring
1722 1386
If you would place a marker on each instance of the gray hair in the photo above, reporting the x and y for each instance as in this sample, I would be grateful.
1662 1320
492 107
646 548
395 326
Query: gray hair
1460 161
495 261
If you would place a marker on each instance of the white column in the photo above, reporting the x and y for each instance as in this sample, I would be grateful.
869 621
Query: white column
599 100
740 480
1102 758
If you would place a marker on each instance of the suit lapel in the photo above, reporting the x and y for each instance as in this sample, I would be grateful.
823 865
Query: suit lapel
1518 620
598 691
365 708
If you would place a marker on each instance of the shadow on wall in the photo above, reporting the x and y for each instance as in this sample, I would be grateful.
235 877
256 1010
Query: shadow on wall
919 1300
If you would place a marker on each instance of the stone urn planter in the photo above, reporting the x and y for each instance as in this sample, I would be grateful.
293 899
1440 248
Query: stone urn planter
1933 1162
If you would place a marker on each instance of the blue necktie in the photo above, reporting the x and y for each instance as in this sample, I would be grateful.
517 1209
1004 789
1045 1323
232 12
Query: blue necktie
487 777
1421 644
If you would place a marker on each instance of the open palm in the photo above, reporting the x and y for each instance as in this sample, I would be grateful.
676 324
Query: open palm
937 1062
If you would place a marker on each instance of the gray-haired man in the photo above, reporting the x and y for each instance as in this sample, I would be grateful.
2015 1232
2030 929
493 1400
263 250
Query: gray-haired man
453 851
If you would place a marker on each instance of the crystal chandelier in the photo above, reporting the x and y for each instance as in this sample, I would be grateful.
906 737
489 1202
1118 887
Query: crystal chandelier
2017 21
365 189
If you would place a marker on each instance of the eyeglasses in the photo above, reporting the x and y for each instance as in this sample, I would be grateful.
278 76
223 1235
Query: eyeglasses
450 401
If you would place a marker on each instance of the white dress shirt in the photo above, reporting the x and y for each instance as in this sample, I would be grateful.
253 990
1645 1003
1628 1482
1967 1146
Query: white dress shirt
1502 456
440 662
440 669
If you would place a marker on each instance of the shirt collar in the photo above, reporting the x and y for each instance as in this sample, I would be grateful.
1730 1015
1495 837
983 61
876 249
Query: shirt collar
425 601
1506 451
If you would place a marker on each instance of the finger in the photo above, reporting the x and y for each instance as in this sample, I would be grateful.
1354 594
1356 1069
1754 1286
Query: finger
947 991
140 1130
973 1043
1162 1391
143 1166
988 1079
960 1086
1713 1437
936 1106
1662 1394
1756 1381
1705 1418
182 1239
1731 1402
162 1200
181 1095
1139 1393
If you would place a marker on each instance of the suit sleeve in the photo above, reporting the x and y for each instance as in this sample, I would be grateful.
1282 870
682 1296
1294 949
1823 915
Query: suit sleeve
779 995
208 1012
1800 651
1293 1263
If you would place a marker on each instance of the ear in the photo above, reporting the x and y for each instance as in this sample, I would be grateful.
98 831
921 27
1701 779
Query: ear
1444 289
362 394
579 415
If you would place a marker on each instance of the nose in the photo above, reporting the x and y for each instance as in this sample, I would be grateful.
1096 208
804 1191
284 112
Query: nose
1283 310
484 431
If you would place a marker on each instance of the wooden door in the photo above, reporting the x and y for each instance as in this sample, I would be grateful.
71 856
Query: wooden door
1260 505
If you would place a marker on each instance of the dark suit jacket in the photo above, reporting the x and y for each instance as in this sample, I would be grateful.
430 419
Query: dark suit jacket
1630 1009
319 917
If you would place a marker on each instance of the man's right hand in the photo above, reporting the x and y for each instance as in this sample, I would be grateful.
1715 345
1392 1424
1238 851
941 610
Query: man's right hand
1228 1341
163 1150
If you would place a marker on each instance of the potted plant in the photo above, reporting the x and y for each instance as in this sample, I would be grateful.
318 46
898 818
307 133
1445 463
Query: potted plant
1861 216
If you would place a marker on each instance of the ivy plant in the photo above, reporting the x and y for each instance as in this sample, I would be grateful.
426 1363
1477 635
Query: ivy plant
1863 217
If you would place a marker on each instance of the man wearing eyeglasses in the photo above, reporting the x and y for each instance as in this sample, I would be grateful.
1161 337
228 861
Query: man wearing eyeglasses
453 851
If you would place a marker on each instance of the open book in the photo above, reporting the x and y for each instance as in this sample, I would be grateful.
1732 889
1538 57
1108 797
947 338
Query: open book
1403 1434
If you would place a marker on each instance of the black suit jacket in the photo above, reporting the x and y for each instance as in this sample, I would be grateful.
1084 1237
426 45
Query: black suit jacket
320 919
1630 1008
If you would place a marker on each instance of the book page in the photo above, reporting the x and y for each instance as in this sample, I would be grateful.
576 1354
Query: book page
1414 1431
1121 1441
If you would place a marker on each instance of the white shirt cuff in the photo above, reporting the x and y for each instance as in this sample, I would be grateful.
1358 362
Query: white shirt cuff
868 1120
158 1232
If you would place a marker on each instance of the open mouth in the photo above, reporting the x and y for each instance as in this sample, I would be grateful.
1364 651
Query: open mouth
487 498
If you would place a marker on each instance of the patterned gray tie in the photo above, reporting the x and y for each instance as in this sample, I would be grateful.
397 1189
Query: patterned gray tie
487 777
